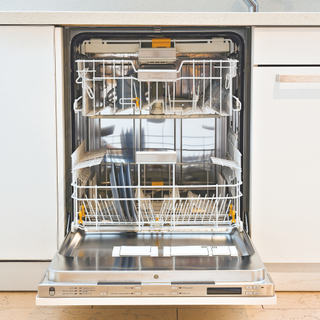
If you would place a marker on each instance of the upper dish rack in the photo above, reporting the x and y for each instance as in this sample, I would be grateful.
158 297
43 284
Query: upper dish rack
125 88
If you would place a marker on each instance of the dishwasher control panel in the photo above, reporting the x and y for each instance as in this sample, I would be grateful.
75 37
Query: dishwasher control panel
61 290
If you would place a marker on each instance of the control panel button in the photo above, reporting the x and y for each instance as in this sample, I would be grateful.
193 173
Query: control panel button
174 288
137 288
137 293
256 293
174 292
103 293
52 291
248 292
249 287
256 287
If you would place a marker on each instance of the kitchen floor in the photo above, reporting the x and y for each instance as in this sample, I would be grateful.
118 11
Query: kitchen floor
290 305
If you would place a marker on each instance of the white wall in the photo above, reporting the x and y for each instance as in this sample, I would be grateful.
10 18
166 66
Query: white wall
160 6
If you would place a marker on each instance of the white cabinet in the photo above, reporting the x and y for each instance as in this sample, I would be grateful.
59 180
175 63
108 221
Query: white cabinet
285 175
286 46
28 143
285 148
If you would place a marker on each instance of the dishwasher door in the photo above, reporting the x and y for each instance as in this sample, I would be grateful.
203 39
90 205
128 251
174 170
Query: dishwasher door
116 268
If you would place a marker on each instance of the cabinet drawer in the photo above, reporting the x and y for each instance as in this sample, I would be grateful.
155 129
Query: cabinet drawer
286 46
285 153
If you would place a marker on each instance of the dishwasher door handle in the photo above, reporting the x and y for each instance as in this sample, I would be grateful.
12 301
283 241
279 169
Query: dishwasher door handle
297 78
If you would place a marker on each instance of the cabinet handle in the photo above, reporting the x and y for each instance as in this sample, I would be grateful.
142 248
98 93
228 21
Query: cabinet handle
297 78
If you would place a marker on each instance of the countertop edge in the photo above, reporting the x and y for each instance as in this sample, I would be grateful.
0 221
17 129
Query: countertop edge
161 18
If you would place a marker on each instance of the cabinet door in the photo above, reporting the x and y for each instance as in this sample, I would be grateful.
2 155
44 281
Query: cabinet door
286 46
28 144
285 175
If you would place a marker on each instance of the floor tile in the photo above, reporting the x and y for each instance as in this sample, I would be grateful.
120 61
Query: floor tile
220 307
15 314
22 300
244 313
17 300
296 300
88 314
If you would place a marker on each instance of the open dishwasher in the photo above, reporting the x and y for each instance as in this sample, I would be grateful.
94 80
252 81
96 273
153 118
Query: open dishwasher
156 175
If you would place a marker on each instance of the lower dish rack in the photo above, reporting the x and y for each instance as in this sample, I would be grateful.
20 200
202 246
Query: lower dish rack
151 205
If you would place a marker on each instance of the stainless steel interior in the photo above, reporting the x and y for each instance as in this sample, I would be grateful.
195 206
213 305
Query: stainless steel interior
88 254
84 266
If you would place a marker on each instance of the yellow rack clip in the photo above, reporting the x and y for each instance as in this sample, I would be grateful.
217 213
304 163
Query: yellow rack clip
137 101
81 215
233 214
161 43
233 220
157 183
